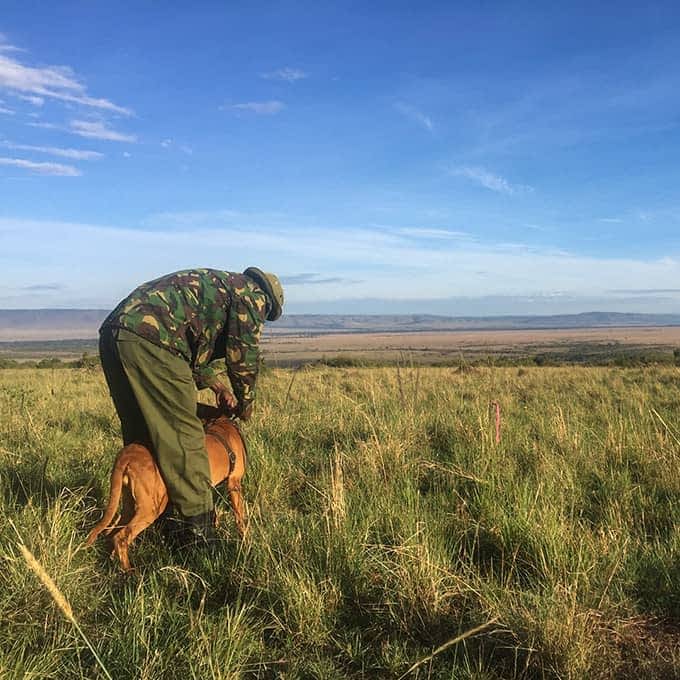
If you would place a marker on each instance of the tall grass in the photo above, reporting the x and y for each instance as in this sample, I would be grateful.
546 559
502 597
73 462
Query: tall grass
390 535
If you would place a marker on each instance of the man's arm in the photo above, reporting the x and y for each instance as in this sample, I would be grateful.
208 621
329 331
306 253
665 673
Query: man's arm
213 376
244 326
205 376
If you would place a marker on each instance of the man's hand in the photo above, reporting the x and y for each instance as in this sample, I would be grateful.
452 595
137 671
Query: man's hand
225 399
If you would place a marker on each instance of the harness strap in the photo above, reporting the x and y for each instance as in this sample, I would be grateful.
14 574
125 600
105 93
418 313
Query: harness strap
243 443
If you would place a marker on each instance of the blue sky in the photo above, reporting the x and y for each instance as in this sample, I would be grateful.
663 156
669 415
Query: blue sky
454 158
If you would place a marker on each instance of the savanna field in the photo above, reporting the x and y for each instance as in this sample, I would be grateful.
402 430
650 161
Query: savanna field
390 535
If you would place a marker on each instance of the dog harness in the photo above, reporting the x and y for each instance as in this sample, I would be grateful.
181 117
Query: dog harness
215 432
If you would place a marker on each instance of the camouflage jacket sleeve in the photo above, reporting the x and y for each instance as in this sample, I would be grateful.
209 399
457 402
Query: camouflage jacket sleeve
244 325
209 363
205 376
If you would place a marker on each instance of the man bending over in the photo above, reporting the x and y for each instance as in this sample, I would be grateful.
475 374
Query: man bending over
156 347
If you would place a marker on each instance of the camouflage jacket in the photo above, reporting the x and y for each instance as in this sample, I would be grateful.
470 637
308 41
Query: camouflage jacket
202 315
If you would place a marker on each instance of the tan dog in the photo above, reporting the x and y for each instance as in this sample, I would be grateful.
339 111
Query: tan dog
137 479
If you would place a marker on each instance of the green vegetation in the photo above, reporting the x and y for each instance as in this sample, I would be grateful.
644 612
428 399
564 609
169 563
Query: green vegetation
572 354
384 523
551 352
85 361
31 351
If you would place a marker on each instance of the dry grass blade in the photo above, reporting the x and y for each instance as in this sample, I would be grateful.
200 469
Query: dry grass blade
665 424
47 581
59 600
463 636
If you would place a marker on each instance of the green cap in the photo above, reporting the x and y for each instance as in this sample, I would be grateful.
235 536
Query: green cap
271 285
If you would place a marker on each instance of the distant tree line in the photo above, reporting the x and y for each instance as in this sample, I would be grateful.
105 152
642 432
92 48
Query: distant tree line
591 356
575 356
85 361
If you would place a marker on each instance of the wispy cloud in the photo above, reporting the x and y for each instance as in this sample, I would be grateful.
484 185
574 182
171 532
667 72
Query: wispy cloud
74 154
263 108
414 114
646 291
610 220
42 168
490 181
424 232
99 130
31 99
44 126
314 279
206 219
6 47
389 266
170 143
51 82
37 287
5 110
288 74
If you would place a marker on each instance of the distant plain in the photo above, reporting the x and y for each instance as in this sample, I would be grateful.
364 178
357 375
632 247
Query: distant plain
294 348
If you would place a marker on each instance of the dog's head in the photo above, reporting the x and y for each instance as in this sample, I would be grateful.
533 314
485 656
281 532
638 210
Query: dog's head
209 414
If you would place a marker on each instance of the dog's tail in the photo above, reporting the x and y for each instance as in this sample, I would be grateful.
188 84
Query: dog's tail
117 475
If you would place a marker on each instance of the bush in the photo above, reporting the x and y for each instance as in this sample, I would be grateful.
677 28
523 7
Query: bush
52 362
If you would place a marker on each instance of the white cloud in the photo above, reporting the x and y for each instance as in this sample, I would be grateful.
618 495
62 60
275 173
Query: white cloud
6 47
205 219
264 108
36 101
75 154
290 75
415 115
490 181
5 110
42 168
99 130
314 279
45 126
52 82
172 143
365 262
424 232
610 220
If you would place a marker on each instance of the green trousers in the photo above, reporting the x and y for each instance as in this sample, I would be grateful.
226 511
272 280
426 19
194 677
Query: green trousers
155 397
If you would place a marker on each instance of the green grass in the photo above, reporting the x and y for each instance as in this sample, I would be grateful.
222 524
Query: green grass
384 523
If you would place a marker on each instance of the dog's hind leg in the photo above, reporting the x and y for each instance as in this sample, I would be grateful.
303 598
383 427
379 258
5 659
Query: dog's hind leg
126 514
237 505
123 539
141 507
121 542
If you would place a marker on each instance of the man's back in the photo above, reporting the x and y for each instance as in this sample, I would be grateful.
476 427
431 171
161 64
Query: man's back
187 309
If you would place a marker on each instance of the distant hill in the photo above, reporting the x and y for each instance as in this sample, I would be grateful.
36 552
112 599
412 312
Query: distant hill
49 324
67 324
321 323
